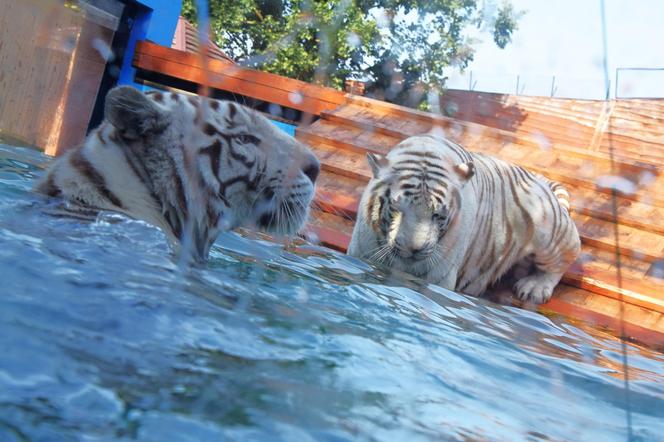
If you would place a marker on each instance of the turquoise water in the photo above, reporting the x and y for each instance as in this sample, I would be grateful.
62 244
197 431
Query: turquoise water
103 337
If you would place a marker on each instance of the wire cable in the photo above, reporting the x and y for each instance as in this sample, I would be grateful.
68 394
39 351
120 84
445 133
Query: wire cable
614 210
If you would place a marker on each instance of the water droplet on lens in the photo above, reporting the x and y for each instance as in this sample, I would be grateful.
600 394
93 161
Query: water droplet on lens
302 295
295 97
542 141
353 40
619 184
104 49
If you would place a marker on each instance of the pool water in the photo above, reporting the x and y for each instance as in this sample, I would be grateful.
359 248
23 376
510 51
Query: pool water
104 337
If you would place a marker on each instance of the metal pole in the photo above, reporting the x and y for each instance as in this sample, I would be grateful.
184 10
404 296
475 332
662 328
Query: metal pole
517 85
553 85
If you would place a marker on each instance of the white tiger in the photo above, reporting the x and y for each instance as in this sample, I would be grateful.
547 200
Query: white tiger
462 219
188 164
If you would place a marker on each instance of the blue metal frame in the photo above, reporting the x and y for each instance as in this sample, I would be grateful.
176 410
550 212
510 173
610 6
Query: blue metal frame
155 21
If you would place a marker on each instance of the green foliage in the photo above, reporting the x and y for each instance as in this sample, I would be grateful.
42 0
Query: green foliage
505 24
402 47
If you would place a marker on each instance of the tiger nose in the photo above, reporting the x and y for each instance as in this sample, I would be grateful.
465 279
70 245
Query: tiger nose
415 252
311 168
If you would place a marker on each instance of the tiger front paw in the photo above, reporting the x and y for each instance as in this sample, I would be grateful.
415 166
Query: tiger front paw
534 288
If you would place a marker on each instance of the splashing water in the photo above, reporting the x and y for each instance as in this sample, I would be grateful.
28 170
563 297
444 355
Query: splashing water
196 200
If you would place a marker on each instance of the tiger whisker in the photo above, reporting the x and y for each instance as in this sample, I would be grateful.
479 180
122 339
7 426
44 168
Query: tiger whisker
379 246
287 215
372 252
378 255
392 257
384 253
375 254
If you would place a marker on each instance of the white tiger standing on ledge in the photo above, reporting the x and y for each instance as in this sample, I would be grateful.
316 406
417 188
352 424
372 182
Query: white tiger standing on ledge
192 166
462 220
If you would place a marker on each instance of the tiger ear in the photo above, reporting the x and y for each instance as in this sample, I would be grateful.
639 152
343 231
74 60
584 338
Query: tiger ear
133 114
377 163
465 170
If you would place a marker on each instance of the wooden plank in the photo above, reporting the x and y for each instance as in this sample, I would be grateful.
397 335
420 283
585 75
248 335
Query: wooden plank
396 121
647 197
646 246
231 77
346 137
329 95
330 238
640 324
401 113
627 289
225 82
604 260
630 213
332 230
146 48
341 224
338 195
556 121
345 163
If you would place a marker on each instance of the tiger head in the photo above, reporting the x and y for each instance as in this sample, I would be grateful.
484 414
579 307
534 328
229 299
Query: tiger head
415 199
192 166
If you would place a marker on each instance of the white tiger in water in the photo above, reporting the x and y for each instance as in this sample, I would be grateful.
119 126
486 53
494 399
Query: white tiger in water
462 219
191 166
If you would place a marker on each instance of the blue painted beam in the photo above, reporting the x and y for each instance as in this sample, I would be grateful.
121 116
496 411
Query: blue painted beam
155 21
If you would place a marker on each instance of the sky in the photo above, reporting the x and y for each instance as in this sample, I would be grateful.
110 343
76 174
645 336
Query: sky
563 38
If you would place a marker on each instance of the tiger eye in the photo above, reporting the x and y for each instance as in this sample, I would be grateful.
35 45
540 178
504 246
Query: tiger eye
248 139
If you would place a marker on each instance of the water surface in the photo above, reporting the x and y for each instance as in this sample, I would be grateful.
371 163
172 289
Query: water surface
103 337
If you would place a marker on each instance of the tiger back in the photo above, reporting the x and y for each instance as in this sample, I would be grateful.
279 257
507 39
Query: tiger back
191 166
463 220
